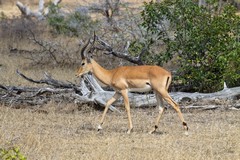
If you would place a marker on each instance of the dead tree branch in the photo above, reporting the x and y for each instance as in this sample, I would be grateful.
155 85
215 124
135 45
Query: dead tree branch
50 81
47 46
104 46
47 52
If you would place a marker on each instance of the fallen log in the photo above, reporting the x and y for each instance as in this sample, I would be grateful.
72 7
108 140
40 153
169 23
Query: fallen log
89 91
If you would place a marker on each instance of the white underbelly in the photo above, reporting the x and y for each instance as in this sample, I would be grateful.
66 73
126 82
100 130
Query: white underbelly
147 88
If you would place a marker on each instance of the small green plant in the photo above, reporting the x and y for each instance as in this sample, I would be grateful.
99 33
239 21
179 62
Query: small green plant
12 153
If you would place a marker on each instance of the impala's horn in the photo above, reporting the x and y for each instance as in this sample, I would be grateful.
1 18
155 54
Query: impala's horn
92 47
93 41
83 49
94 36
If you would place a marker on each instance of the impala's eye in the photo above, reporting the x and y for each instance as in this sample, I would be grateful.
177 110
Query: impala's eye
83 64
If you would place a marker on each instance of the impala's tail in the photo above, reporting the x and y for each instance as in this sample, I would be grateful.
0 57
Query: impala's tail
169 80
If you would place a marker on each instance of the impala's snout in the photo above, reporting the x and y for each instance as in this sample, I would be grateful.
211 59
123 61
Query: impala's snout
79 76
78 73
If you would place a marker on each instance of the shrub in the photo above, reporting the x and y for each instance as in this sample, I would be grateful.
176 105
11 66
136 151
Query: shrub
205 39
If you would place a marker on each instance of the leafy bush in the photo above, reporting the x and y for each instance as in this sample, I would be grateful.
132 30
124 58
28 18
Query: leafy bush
205 39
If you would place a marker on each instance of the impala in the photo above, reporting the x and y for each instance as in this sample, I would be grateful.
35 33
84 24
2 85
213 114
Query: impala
131 78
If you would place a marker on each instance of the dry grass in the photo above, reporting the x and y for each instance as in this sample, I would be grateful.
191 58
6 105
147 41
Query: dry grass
60 131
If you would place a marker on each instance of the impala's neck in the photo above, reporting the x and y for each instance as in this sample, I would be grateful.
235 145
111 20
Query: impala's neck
101 73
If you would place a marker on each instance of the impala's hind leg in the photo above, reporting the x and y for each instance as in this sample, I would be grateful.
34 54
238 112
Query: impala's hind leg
161 110
165 95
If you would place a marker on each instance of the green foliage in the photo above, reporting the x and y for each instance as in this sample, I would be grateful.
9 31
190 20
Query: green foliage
12 153
72 24
141 49
136 47
205 39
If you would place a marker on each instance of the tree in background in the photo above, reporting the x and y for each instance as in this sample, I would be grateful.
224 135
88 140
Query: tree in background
205 38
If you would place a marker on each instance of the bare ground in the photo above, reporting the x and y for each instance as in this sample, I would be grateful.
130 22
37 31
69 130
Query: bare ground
59 131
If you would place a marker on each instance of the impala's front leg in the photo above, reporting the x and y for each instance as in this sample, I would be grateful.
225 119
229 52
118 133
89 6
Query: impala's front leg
127 107
115 97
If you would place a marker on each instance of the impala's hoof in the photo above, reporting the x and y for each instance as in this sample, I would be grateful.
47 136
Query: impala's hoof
129 131
151 132
154 129
99 128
